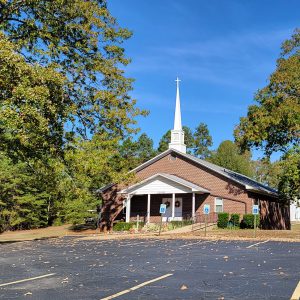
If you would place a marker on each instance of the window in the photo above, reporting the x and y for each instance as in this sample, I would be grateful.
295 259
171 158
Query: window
218 205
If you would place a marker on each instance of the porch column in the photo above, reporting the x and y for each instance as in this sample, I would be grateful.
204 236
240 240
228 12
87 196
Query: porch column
148 209
173 206
128 208
193 206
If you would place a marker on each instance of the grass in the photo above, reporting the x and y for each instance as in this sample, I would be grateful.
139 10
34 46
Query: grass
59 231
293 234
43 233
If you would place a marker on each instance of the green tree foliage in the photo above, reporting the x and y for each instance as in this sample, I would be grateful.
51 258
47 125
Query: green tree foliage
274 122
289 184
64 107
145 150
197 142
33 106
89 165
166 139
23 202
229 157
202 141
137 152
164 142
83 41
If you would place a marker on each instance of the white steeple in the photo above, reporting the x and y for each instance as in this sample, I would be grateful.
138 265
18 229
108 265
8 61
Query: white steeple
177 134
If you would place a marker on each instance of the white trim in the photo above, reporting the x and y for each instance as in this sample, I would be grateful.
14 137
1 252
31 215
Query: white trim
193 187
128 204
219 198
173 206
148 208
193 206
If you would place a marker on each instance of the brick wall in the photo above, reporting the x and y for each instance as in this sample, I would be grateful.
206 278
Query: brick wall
235 197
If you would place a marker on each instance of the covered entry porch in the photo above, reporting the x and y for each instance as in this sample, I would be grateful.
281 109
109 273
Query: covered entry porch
181 197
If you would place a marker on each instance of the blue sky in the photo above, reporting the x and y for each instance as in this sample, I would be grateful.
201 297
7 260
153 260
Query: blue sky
223 51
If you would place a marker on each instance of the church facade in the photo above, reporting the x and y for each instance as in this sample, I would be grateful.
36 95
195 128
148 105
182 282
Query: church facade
185 184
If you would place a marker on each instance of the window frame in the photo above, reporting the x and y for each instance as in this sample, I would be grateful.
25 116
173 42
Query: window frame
219 198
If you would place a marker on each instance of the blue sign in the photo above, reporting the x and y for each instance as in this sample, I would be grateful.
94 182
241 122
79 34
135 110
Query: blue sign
206 209
255 210
162 208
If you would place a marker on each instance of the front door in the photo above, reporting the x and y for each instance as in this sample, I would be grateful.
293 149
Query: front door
178 209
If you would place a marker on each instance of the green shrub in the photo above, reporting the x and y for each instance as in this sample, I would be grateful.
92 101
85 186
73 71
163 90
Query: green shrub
248 221
123 226
223 219
235 219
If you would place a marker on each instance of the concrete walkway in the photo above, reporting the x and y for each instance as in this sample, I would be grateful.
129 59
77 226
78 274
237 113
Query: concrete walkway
189 228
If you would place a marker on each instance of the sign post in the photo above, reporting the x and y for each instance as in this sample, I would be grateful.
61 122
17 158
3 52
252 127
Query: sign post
137 222
206 211
255 212
162 211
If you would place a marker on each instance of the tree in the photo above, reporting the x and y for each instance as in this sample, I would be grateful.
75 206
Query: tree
33 106
202 141
289 184
81 40
89 165
267 172
164 142
273 124
137 152
166 139
228 156
64 106
23 199
145 150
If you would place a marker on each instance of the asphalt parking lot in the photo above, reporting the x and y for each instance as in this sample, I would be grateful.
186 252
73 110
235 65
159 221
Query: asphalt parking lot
70 268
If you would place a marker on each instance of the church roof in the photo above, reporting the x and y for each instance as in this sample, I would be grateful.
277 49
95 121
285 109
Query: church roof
247 182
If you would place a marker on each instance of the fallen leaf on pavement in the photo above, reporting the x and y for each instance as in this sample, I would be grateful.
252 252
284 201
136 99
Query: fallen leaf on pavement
184 287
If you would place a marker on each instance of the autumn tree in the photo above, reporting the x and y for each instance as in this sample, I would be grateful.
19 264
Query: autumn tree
82 41
273 123
64 101
34 106
267 172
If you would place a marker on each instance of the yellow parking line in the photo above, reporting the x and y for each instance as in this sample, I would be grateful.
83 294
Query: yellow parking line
257 244
28 279
136 287
296 294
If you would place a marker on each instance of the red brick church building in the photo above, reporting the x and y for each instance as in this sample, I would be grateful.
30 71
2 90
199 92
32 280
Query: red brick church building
185 183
